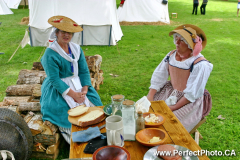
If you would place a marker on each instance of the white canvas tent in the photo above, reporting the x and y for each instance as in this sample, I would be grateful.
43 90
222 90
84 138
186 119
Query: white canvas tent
13 4
97 18
143 11
4 8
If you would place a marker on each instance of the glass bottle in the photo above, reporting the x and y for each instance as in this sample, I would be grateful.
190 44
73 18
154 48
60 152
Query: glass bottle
140 121
129 121
117 104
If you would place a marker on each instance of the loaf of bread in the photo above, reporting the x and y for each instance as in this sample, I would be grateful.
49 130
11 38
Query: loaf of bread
90 118
77 111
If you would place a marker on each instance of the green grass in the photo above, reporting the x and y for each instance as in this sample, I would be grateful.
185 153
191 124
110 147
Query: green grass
138 54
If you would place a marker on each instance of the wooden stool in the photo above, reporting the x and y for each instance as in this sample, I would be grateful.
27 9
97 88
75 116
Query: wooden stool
175 15
195 131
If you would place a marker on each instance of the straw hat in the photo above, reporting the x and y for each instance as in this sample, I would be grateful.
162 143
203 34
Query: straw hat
65 24
189 33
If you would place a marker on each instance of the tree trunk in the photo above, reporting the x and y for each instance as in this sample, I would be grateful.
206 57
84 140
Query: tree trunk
24 90
94 63
35 124
93 81
37 66
31 77
29 106
53 148
14 101
52 127
37 91
46 139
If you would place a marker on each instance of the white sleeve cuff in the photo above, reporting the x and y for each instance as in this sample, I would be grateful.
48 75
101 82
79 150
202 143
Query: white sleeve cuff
155 87
66 92
188 97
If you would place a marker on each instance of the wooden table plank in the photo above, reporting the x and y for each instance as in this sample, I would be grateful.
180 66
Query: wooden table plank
177 134
168 140
175 129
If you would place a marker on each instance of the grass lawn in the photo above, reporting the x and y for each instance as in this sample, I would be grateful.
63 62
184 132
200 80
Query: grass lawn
140 51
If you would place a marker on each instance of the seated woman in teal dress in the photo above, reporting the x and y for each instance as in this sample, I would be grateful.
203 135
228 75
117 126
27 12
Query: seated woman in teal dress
68 82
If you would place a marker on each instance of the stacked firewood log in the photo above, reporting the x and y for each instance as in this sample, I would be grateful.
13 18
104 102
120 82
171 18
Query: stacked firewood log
96 74
24 97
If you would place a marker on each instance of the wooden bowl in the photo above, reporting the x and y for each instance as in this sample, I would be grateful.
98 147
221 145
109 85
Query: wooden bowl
144 136
110 153
153 125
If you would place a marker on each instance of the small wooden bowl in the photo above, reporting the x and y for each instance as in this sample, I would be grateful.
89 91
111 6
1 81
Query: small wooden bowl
144 136
110 153
161 117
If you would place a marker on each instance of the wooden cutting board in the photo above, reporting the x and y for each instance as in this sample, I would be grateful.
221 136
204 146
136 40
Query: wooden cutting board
74 120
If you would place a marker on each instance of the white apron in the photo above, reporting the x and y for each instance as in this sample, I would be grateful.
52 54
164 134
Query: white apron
70 101
75 49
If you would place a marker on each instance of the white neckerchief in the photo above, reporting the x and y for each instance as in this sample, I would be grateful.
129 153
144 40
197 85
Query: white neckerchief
75 51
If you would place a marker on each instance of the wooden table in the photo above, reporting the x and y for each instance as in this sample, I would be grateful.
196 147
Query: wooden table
177 135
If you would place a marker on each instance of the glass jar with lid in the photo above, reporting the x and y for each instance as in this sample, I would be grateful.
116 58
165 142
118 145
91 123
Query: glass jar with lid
117 104
129 123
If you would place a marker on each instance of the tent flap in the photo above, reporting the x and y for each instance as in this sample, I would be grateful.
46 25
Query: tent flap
4 9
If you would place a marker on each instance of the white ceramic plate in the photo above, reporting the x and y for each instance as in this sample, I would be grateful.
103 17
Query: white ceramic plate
150 154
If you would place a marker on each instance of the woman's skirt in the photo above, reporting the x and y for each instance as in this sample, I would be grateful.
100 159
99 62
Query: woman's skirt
66 132
190 114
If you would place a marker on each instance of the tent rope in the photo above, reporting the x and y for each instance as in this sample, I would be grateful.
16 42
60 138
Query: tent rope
14 52
41 53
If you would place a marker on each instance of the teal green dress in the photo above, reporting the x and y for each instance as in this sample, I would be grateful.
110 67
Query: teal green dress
53 107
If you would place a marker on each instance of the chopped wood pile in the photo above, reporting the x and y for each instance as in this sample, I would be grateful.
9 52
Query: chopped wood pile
24 99
96 74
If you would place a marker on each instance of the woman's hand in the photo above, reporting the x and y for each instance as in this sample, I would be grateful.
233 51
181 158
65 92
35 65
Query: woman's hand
182 102
151 94
79 97
84 90
173 107
150 98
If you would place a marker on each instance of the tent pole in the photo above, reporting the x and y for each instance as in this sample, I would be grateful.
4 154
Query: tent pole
30 36
14 52
82 35
110 35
